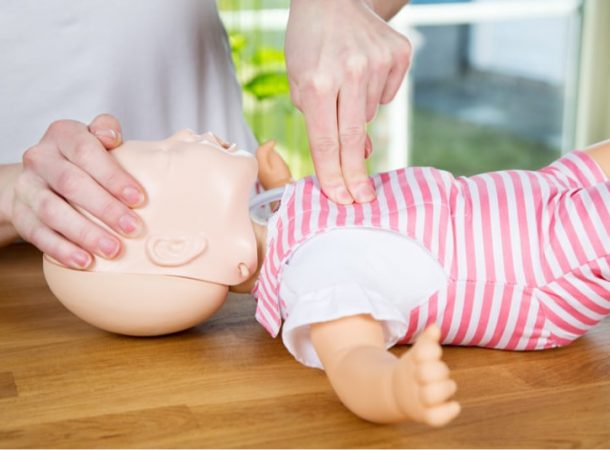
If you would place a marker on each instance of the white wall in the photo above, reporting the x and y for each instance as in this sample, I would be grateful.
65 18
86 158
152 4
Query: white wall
534 48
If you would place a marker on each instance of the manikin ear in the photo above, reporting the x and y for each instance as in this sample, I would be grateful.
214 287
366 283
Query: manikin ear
273 171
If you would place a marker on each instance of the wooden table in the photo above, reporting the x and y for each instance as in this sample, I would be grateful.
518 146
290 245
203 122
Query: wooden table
226 383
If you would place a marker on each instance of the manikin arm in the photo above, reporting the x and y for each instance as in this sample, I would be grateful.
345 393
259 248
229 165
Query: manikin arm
376 385
273 171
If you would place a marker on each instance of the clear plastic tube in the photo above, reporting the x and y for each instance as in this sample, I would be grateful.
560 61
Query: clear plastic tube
266 197
260 204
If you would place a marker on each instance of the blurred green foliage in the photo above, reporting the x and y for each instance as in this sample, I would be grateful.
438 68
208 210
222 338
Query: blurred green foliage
261 70
267 85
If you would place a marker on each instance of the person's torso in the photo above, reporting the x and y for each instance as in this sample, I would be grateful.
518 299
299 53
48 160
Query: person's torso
157 66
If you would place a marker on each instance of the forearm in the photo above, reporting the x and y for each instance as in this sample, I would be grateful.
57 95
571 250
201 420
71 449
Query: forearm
362 379
387 9
359 368
8 177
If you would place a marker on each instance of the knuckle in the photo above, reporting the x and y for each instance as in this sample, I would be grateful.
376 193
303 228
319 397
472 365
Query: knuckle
113 181
351 134
81 153
325 145
402 52
68 183
58 126
61 128
47 208
382 62
31 155
87 236
318 83
35 235
110 211
356 66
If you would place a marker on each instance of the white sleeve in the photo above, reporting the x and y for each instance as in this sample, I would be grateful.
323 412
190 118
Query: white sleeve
334 303
334 275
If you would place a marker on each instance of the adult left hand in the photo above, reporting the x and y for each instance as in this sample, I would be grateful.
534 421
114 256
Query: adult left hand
343 61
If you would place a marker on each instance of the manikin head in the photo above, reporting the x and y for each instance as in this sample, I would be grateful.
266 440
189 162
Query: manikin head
198 240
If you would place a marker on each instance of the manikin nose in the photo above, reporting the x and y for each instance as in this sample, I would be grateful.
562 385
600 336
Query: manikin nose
244 272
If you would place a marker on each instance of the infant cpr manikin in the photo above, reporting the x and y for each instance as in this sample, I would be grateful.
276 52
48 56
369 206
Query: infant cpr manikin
198 240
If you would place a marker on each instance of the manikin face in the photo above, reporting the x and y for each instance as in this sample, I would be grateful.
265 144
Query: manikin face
196 217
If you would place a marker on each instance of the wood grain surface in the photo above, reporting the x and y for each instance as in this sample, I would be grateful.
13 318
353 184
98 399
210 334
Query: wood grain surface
226 383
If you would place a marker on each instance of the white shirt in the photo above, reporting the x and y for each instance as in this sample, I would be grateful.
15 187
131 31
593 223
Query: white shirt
157 65
352 271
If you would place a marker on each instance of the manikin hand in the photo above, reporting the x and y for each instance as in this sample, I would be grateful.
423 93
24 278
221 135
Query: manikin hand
422 384
376 385
71 164
343 60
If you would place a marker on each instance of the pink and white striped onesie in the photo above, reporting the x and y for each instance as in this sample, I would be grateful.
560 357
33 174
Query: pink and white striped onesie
526 253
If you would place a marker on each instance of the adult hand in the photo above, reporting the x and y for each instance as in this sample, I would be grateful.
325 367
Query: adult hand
71 165
343 60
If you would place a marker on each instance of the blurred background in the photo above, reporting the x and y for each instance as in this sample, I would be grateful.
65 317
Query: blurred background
493 84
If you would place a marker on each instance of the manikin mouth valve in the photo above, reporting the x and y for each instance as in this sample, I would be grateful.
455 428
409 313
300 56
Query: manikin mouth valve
243 270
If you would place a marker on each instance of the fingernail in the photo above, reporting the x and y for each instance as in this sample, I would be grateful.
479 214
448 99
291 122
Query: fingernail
129 224
80 260
106 133
343 196
109 247
132 196
364 192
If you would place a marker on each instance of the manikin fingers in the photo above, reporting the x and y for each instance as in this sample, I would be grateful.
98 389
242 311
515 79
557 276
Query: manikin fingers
437 393
432 371
427 347
442 415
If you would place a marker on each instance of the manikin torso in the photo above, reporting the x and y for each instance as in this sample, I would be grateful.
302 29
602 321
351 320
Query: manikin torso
501 262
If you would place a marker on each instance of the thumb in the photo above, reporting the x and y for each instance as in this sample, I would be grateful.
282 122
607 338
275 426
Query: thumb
108 130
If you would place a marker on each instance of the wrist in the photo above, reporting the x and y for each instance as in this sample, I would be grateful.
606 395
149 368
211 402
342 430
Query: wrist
386 9
8 177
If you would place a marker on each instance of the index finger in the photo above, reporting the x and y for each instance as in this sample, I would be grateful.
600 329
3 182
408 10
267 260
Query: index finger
353 138
87 152
320 111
